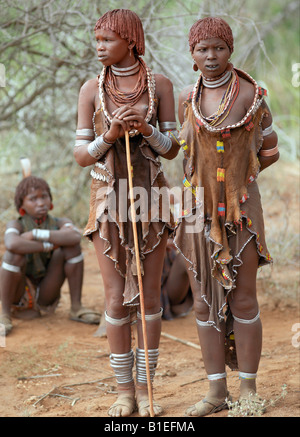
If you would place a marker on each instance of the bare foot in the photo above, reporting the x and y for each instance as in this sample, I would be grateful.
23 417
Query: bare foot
143 404
124 406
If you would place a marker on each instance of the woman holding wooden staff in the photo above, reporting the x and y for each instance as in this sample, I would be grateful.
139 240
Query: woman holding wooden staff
127 97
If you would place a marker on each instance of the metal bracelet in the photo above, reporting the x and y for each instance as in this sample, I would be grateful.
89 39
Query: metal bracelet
122 365
167 125
141 374
216 376
11 267
267 131
85 132
117 322
269 152
151 317
158 141
247 321
12 231
81 143
48 247
75 259
98 147
41 234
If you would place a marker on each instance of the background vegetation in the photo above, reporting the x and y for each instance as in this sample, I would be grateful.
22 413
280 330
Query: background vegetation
48 50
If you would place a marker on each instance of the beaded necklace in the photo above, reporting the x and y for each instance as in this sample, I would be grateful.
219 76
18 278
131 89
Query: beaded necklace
253 108
226 102
107 83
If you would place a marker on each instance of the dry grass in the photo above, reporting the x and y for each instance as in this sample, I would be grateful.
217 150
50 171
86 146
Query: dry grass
253 405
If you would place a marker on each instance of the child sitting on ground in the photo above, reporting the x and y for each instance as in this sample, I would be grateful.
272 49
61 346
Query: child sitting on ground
41 252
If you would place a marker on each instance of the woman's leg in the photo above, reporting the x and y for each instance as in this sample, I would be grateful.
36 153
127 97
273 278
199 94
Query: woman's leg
153 265
118 330
247 324
212 349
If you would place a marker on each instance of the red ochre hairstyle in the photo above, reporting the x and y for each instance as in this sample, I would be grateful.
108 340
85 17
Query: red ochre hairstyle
210 27
26 185
125 23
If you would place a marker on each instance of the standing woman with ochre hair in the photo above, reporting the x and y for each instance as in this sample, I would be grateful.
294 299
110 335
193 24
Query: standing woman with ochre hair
127 96
227 138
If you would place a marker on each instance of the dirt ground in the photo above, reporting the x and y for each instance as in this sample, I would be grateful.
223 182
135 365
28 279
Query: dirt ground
55 367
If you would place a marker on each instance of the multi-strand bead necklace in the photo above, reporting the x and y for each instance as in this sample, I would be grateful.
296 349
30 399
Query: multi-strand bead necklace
227 100
108 84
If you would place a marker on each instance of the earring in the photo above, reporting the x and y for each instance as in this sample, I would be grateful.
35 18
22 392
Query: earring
22 212
195 66
51 206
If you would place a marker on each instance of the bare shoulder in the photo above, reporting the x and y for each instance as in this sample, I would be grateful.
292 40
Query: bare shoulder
185 92
89 88
181 99
162 84
247 92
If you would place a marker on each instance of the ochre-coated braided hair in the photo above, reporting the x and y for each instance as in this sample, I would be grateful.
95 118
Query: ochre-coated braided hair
210 27
26 185
126 24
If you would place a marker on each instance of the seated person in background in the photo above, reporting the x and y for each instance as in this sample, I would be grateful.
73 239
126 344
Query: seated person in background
41 252
176 294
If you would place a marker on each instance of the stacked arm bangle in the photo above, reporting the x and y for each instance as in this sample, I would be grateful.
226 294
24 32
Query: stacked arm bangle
83 133
267 131
268 152
48 247
43 235
159 141
98 147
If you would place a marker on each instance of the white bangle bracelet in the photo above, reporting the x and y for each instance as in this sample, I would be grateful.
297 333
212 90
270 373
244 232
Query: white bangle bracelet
47 246
159 142
267 131
167 125
98 147
84 132
41 234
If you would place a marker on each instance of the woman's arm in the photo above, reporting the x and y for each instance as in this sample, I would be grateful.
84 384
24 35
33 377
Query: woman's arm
85 111
166 113
269 152
182 98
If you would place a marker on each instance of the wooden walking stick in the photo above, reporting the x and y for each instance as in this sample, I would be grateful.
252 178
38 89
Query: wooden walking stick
139 273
